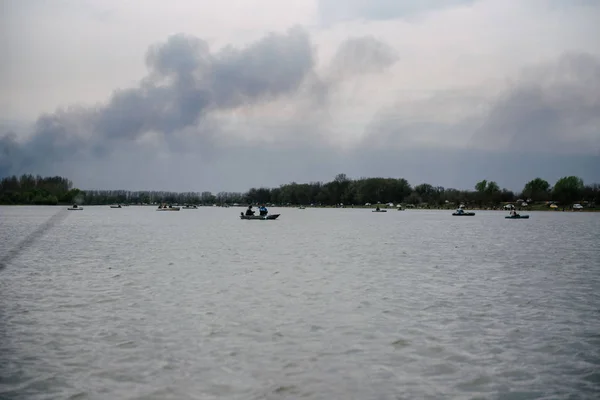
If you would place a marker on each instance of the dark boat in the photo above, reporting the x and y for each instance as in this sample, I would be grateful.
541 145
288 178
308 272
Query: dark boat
259 217
518 216
164 207
462 213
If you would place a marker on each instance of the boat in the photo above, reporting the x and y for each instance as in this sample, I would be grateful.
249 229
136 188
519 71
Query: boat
167 208
462 213
379 210
115 206
190 207
301 208
517 216
75 208
259 217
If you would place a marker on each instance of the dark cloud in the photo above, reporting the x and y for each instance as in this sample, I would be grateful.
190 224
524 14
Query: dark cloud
553 107
185 82
276 64
10 153
186 85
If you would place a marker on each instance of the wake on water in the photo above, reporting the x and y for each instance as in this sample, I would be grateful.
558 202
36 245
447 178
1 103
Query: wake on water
32 237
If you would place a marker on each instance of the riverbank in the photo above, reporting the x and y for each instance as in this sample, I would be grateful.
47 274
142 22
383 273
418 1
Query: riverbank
373 206
522 209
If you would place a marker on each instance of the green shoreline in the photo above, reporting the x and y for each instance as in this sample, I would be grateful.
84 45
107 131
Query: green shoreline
353 193
373 206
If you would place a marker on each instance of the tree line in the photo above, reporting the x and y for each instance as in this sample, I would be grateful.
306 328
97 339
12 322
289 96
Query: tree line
29 189
346 191
342 190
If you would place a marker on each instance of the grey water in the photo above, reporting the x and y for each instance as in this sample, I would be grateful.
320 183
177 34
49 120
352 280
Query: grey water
320 304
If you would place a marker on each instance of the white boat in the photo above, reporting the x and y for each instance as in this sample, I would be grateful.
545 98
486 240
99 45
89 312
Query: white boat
75 208
115 206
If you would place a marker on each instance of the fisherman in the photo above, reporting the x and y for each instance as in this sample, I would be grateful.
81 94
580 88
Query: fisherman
263 210
250 211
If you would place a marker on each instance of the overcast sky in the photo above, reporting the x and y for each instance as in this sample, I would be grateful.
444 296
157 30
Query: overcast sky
202 95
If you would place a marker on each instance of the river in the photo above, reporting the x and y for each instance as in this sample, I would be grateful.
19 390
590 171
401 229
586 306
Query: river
320 304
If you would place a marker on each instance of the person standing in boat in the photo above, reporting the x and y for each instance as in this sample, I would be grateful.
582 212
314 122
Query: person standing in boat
250 211
263 210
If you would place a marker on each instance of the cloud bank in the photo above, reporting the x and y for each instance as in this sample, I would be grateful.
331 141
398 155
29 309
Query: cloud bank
355 97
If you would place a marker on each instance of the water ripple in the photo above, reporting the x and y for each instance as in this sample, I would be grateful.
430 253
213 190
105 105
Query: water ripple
320 304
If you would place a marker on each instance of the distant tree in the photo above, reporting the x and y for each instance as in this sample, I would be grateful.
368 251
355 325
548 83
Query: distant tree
480 186
568 189
487 192
338 189
275 196
507 196
537 190
492 188
34 190
207 198
493 193
591 193
413 199
341 178
424 190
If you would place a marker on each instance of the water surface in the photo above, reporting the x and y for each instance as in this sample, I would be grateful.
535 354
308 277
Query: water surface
321 304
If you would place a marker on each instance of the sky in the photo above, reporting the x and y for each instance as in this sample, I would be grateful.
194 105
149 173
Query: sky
193 95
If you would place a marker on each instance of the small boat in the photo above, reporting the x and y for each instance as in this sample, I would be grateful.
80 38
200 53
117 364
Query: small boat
167 208
379 210
517 216
301 208
190 207
259 217
115 206
462 213
75 208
